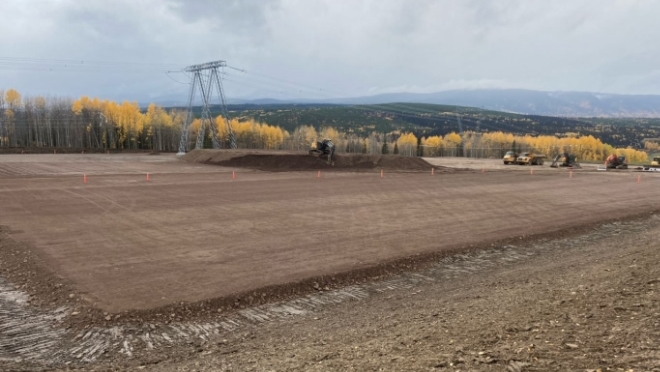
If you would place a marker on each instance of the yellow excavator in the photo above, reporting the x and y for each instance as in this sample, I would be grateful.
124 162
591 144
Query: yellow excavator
653 167
565 160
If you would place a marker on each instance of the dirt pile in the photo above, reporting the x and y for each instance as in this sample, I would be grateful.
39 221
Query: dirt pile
296 161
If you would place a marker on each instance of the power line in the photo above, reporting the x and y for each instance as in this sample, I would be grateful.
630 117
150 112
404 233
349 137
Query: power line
86 66
83 62
174 80
262 76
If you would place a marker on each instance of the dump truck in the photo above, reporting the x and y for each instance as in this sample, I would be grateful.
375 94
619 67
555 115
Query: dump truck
510 157
565 160
616 162
529 158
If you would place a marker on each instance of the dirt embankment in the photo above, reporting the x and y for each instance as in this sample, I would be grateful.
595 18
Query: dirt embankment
296 161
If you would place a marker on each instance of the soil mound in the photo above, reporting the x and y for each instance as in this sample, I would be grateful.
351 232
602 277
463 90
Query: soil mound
296 161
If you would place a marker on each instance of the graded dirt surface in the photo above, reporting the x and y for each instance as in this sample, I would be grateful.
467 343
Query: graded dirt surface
189 235
478 164
475 296
588 303
498 164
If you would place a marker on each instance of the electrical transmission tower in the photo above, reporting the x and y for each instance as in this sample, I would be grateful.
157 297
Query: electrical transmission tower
206 79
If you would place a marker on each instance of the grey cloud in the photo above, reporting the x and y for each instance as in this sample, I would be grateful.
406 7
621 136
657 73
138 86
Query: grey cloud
241 15
342 47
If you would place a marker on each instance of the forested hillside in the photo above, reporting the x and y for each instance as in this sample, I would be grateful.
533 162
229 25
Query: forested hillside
429 120
407 129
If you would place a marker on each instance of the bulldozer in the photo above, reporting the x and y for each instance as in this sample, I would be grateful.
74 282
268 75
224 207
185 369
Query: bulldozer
324 148
565 160
616 162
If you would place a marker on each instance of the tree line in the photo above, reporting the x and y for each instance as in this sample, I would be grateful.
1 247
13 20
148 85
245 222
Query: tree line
92 123
86 123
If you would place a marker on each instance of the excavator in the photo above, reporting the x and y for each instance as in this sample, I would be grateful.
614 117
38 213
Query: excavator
616 162
653 167
324 148
565 160
656 162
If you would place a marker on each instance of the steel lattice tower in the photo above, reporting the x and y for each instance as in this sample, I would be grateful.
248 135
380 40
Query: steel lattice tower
206 79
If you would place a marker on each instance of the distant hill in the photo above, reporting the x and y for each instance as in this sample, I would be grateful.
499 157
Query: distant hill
569 104
429 119
565 104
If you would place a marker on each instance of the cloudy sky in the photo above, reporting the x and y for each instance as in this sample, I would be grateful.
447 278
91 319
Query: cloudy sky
329 48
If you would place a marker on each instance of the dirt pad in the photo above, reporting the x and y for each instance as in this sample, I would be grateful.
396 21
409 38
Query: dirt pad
132 244
292 161
581 297
584 303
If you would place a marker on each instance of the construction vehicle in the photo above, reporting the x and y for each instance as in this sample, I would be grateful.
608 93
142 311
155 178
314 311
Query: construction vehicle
649 168
616 162
653 167
510 157
529 158
324 148
565 160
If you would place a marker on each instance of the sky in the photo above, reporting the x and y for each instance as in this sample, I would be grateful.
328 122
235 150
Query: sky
318 49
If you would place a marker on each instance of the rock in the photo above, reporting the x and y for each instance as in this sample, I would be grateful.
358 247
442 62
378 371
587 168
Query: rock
441 365
572 346
108 318
71 295
75 313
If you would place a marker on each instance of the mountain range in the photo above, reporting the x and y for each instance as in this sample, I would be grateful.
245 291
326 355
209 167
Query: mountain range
531 102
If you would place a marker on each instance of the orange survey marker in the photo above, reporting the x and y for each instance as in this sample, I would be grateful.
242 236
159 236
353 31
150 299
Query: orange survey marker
84 178
148 177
